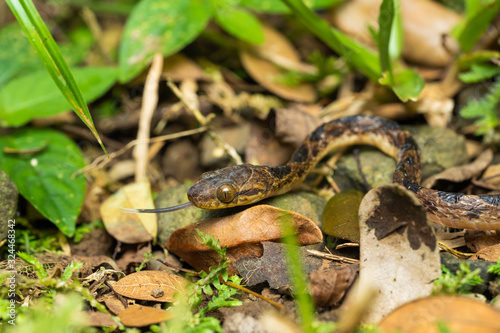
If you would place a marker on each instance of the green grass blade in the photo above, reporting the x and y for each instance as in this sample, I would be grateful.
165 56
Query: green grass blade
385 21
42 41
357 55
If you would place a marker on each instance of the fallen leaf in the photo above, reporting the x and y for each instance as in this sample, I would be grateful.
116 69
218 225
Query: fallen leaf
463 172
100 319
476 240
490 178
490 253
264 148
293 125
424 24
139 316
125 227
272 266
178 67
458 314
143 285
255 61
329 286
340 217
242 233
113 303
399 256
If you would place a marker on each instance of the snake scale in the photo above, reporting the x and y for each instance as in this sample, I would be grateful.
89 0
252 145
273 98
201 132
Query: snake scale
246 184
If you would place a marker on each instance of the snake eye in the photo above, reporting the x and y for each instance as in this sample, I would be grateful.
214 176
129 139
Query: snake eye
226 193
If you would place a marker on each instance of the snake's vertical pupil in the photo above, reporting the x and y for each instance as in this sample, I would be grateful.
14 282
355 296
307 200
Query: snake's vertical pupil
226 193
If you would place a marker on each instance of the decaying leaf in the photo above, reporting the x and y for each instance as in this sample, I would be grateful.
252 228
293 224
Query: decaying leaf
329 286
294 124
457 314
490 178
463 172
399 255
424 24
490 253
125 227
264 148
178 67
139 316
477 240
256 60
242 233
272 266
340 217
100 319
113 304
144 285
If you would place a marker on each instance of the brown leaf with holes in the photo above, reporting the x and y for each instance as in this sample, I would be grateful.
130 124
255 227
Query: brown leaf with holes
261 62
463 172
329 286
242 233
458 314
140 315
158 286
399 256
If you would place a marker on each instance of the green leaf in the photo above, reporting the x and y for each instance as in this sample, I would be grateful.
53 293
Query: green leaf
45 178
407 84
478 18
240 23
385 20
484 110
466 61
158 26
36 95
37 265
277 6
47 50
479 72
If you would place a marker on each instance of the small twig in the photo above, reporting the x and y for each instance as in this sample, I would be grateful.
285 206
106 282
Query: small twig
91 21
205 121
120 297
149 102
333 257
103 160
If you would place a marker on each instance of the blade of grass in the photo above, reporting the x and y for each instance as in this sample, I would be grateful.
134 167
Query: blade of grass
297 276
385 20
359 56
42 41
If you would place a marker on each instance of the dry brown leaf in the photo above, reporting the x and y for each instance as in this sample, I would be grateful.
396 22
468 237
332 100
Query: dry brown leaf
476 240
264 148
293 125
490 253
463 172
125 227
242 233
139 316
329 286
272 266
490 178
178 67
435 103
113 304
459 314
144 285
255 61
100 319
399 256
424 24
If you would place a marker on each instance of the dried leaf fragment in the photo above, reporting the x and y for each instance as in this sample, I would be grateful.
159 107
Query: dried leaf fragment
130 228
139 315
458 314
399 256
329 286
255 60
242 233
145 285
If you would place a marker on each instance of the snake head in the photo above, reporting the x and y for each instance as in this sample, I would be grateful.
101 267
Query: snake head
227 187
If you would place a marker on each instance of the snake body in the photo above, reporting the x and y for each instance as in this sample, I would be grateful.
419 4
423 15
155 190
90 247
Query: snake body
245 184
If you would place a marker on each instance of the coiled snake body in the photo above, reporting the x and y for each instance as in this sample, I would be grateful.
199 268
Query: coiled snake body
245 184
